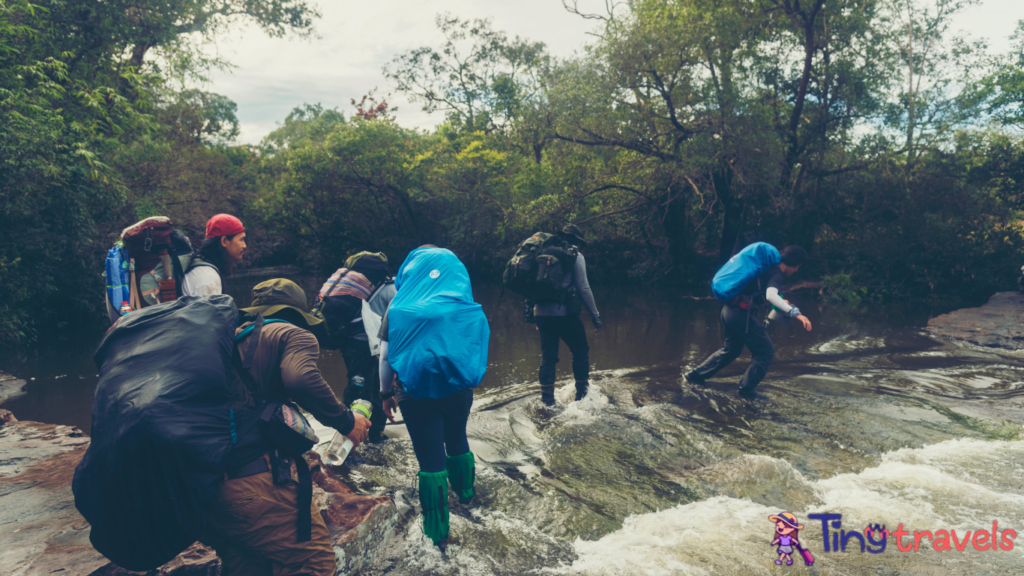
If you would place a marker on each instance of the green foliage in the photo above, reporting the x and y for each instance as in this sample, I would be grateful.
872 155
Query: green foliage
839 288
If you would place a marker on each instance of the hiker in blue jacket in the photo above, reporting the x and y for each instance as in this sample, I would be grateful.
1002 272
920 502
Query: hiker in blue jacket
433 353
742 327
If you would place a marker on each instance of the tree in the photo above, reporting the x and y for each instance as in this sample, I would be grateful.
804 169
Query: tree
479 78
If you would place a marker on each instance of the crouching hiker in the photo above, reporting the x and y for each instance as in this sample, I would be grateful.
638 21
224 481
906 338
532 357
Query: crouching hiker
751 278
264 521
433 353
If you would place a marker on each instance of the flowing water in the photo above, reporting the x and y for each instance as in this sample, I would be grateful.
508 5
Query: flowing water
867 417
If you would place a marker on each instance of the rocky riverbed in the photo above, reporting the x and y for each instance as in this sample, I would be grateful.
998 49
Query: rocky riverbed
997 324
41 532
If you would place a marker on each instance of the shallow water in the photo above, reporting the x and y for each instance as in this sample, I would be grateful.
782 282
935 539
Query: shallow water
868 418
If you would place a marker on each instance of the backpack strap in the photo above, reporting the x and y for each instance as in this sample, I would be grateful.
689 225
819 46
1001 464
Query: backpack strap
305 488
198 261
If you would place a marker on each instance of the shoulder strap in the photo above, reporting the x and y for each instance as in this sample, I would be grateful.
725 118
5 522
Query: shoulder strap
198 261
244 368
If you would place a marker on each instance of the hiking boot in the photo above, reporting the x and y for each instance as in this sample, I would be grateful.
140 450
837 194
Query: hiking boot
581 390
693 378
547 395
751 394
462 475
376 437
434 502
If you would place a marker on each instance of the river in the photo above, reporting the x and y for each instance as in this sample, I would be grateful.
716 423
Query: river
868 417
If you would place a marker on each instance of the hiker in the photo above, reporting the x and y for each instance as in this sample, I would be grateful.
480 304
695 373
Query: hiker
361 359
741 326
561 321
433 353
252 525
223 247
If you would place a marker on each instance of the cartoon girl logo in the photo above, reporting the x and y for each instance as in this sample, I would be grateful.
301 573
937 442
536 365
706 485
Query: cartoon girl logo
787 533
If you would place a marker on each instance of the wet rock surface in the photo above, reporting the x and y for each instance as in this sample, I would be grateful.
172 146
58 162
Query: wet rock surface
10 387
42 533
997 324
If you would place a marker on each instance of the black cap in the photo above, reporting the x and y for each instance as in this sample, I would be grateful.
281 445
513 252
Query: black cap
574 232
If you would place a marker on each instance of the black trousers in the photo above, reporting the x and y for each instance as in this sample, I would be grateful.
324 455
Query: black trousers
437 428
359 362
741 329
569 329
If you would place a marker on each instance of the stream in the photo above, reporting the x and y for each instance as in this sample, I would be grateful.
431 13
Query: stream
868 417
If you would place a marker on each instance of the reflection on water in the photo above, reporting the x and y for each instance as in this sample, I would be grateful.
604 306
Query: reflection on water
868 418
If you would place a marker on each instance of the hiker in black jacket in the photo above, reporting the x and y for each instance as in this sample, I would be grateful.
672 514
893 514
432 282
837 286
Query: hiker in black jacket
557 321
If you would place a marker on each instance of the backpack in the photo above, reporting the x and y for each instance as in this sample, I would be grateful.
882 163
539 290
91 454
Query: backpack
342 295
162 429
539 267
152 259
742 269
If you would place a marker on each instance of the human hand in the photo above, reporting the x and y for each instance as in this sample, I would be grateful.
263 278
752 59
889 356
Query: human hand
805 321
390 405
360 431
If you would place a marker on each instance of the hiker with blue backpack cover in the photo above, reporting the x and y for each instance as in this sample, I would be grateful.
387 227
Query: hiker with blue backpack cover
745 284
433 353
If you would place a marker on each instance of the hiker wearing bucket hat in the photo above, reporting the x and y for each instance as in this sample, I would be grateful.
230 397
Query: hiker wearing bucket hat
786 533
214 260
561 322
252 525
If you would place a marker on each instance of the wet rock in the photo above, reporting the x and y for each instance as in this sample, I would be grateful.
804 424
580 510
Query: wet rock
43 533
997 324
10 387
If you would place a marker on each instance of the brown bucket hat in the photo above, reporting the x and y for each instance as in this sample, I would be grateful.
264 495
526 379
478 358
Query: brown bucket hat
272 296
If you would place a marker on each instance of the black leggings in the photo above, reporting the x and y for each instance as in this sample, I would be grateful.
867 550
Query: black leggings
437 428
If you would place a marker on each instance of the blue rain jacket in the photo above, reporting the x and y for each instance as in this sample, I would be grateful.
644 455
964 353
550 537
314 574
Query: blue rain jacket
437 334
742 269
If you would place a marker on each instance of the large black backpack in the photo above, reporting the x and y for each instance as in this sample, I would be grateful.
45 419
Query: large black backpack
539 267
162 428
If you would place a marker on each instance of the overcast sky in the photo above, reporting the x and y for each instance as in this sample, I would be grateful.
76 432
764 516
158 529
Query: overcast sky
357 39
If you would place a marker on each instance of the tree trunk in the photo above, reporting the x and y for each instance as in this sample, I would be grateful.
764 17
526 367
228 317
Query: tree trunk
732 222
677 229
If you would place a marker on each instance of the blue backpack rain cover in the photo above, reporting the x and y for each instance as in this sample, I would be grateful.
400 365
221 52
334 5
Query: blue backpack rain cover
118 288
437 334
742 269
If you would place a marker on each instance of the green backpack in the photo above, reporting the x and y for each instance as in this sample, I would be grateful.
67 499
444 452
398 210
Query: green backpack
539 268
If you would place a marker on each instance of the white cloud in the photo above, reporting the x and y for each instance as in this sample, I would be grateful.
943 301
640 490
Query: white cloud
357 39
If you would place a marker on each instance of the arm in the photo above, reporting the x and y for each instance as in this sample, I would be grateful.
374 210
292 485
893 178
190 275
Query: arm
304 383
387 374
583 289
774 299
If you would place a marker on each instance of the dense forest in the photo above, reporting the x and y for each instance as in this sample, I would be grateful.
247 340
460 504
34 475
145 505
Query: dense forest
863 130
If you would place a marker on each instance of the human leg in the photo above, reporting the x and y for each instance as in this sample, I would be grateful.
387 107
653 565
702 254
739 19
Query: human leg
359 362
425 424
575 336
253 527
549 337
732 320
461 464
762 353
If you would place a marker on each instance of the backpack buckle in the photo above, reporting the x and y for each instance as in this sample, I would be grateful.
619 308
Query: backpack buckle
148 246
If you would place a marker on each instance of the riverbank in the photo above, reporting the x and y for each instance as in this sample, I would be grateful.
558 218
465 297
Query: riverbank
42 532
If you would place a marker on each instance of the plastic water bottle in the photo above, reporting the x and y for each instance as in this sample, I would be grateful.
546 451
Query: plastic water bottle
125 308
340 447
